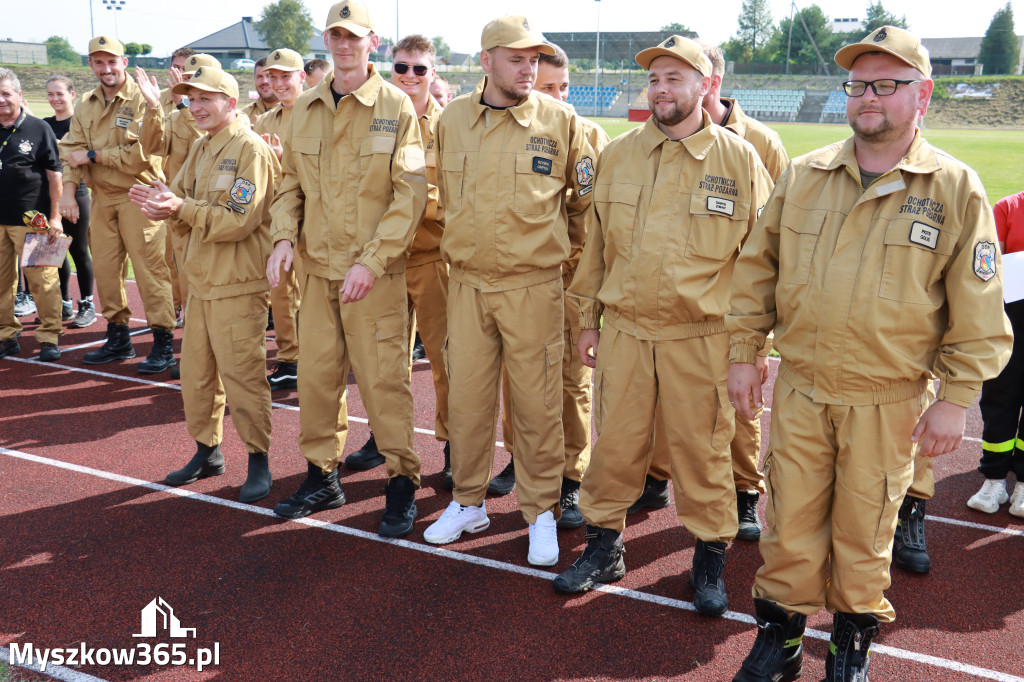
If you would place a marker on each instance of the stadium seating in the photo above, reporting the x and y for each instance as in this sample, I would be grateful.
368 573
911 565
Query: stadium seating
770 105
834 110
586 96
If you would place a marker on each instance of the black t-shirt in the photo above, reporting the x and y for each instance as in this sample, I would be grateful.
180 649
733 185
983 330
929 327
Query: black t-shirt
31 150
60 128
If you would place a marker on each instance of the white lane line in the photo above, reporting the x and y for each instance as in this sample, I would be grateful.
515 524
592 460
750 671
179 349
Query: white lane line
55 671
895 652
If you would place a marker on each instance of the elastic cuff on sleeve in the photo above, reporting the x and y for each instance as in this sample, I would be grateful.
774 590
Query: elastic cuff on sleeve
372 264
743 352
590 321
958 394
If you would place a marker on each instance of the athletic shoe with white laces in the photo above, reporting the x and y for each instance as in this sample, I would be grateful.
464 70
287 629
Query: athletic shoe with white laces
544 541
1017 500
991 495
456 520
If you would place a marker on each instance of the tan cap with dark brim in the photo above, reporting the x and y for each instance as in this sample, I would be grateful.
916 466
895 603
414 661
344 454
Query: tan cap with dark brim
106 44
211 79
284 60
679 47
895 41
196 61
513 32
351 15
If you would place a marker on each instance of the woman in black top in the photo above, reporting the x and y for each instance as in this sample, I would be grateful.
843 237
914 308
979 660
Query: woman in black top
61 93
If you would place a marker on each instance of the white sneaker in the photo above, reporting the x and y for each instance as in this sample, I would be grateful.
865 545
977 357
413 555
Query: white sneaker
991 495
544 541
456 520
1017 500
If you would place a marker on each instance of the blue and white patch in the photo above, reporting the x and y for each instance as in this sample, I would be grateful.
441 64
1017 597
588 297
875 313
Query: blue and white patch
242 191
924 235
985 260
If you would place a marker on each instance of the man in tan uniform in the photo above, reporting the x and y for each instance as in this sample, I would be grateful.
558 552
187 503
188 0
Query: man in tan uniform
675 199
353 192
507 157
103 148
266 98
426 276
875 262
169 102
286 76
219 204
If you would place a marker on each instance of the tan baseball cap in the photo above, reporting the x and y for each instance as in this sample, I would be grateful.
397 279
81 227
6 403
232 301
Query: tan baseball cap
193 63
690 51
513 32
284 60
211 79
895 41
106 44
351 15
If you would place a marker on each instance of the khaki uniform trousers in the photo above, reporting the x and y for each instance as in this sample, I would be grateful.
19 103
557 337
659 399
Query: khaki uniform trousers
523 328
285 299
43 284
224 355
683 381
923 486
428 297
173 254
836 475
117 232
577 401
371 337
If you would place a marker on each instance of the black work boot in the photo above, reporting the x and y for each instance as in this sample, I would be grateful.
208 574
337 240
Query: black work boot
258 480
161 357
569 501
208 461
848 655
447 482
505 482
366 457
706 578
778 651
9 347
909 550
746 515
49 352
318 492
601 562
399 508
117 347
654 496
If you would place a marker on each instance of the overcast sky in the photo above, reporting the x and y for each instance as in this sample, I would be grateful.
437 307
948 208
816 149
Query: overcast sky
169 25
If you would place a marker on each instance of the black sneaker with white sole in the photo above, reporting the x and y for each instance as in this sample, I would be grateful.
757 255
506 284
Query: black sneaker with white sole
284 376
318 492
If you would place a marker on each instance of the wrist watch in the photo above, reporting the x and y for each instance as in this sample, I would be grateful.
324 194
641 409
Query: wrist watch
92 155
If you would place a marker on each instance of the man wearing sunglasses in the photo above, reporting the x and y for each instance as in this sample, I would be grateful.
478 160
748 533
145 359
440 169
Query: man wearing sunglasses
876 263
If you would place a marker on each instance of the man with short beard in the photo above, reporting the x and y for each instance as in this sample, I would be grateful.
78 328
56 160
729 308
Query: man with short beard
876 263
266 98
170 102
674 199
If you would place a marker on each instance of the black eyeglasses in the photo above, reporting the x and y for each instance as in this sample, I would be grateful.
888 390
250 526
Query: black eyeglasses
418 69
882 88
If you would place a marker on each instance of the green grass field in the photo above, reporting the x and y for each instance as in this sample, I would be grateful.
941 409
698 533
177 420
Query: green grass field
994 154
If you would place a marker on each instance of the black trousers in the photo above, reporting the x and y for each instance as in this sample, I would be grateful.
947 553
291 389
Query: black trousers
1002 398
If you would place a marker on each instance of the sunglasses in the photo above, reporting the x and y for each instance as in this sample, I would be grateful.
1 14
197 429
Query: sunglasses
401 68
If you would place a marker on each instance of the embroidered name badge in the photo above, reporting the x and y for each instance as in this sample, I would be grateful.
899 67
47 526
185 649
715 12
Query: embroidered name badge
122 122
985 260
924 235
236 208
242 191
541 165
720 205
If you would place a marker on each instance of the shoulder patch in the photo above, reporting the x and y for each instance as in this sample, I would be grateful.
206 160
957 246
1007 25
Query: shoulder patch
985 260
242 191
585 171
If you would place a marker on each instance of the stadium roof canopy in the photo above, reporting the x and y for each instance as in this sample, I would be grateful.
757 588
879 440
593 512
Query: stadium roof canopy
614 45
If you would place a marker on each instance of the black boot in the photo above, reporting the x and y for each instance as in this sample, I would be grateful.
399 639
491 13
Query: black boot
399 508
601 562
208 461
848 650
746 515
318 492
366 457
447 482
505 482
654 496
258 481
161 357
117 347
706 578
570 504
778 652
909 550
9 347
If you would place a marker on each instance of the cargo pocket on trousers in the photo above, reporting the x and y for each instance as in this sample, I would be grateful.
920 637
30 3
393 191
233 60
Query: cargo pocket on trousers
725 417
897 483
248 342
598 411
769 478
553 373
392 347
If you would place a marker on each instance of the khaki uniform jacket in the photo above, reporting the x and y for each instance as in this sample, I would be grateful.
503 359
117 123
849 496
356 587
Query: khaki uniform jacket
112 129
227 184
274 122
503 174
872 292
671 217
354 186
167 105
598 140
426 244
170 136
254 110
765 140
